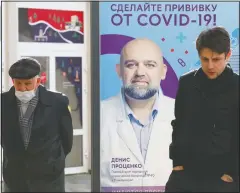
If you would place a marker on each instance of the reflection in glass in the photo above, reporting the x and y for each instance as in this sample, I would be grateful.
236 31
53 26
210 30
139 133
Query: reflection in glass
44 74
69 82
75 157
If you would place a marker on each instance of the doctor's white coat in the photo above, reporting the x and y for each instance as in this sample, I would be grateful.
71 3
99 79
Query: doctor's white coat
121 162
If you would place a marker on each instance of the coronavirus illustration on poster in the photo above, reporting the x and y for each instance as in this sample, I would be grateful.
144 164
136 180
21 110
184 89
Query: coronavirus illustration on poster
50 26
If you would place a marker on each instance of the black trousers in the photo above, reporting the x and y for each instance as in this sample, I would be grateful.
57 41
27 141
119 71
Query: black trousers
183 181
56 185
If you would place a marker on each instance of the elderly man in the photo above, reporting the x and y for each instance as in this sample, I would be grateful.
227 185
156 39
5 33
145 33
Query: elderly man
135 125
37 132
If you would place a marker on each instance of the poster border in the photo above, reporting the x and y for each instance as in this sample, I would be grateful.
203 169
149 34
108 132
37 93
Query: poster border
95 97
96 42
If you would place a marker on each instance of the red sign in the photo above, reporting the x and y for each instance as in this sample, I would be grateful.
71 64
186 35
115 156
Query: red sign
59 19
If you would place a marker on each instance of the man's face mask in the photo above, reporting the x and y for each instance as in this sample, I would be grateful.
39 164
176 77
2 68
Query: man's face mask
25 88
25 96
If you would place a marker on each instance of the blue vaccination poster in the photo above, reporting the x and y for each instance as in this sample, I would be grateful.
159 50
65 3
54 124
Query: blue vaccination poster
173 26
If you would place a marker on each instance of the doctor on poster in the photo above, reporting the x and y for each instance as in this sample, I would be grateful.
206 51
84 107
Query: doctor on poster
136 124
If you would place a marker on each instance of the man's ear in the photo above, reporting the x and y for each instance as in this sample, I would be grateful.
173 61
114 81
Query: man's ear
38 81
229 55
164 71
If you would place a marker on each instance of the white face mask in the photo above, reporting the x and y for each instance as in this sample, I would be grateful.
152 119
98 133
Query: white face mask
25 96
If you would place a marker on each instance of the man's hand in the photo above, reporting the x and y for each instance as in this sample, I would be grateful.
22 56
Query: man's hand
227 178
178 168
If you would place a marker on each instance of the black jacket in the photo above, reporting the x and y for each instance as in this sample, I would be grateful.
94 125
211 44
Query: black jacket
205 134
37 167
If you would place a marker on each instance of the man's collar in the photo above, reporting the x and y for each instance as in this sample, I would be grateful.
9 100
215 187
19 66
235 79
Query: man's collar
37 93
43 95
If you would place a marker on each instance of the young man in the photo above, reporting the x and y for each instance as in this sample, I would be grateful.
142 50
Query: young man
205 138
37 132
